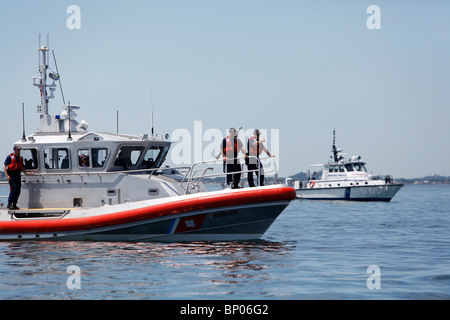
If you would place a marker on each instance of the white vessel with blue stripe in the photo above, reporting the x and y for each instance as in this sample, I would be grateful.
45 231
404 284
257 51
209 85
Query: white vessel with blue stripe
342 179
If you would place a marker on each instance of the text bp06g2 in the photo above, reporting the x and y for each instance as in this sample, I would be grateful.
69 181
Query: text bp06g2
246 309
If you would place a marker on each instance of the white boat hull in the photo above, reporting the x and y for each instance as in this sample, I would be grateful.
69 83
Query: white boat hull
383 192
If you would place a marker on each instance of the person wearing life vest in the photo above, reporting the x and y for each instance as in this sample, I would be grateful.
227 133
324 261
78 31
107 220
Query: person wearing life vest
13 168
231 146
255 147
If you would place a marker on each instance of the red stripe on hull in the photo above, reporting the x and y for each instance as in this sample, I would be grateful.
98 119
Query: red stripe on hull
202 202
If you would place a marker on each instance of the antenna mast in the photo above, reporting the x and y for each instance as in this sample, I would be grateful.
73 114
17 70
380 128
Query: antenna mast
69 137
151 103
23 124
43 66
42 80
334 150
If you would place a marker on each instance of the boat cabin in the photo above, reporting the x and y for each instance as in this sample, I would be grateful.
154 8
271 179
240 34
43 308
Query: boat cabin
95 152
341 170
347 167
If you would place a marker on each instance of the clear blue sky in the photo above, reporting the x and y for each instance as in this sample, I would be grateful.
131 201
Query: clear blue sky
302 67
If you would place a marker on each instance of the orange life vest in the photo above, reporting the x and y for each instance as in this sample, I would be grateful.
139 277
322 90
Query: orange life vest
15 165
230 145
254 150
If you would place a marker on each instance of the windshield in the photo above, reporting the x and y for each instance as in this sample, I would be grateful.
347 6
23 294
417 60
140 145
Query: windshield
360 167
349 167
154 157
128 156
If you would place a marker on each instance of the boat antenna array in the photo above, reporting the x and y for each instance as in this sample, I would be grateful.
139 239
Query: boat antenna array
54 122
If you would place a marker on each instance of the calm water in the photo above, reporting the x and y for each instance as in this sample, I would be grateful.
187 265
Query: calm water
315 250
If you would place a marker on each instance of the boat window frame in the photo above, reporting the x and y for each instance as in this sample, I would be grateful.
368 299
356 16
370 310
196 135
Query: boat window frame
104 162
347 165
57 148
157 163
126 167
91 157
362 167
87 154
35 158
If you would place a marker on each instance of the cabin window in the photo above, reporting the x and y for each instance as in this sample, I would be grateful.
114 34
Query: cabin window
349 167
99 156
56 158
83 158
341 168
128 156
154 157
360 167
331 169
30 158
92 158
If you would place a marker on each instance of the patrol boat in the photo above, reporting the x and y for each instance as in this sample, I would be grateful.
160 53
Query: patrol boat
342 179
113 187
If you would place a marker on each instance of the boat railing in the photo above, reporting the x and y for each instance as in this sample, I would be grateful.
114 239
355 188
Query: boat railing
150 172
3 197
191 177
197 174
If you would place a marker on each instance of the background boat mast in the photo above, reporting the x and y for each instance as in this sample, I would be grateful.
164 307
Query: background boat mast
334 150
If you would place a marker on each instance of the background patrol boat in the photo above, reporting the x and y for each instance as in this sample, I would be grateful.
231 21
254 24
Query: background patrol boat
112 187
345 180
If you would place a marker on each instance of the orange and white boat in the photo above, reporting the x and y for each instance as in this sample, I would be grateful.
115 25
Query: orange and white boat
112 187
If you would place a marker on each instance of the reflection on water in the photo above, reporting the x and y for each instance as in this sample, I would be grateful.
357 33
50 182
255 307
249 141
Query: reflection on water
188 270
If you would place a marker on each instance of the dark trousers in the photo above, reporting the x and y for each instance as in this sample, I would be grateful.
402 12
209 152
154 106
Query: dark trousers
231 175
259 173
15 186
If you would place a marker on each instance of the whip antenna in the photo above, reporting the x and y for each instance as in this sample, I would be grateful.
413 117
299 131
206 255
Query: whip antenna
151 105
69 138
23 124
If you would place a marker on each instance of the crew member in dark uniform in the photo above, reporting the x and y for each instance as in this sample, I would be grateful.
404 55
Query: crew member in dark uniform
13 168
